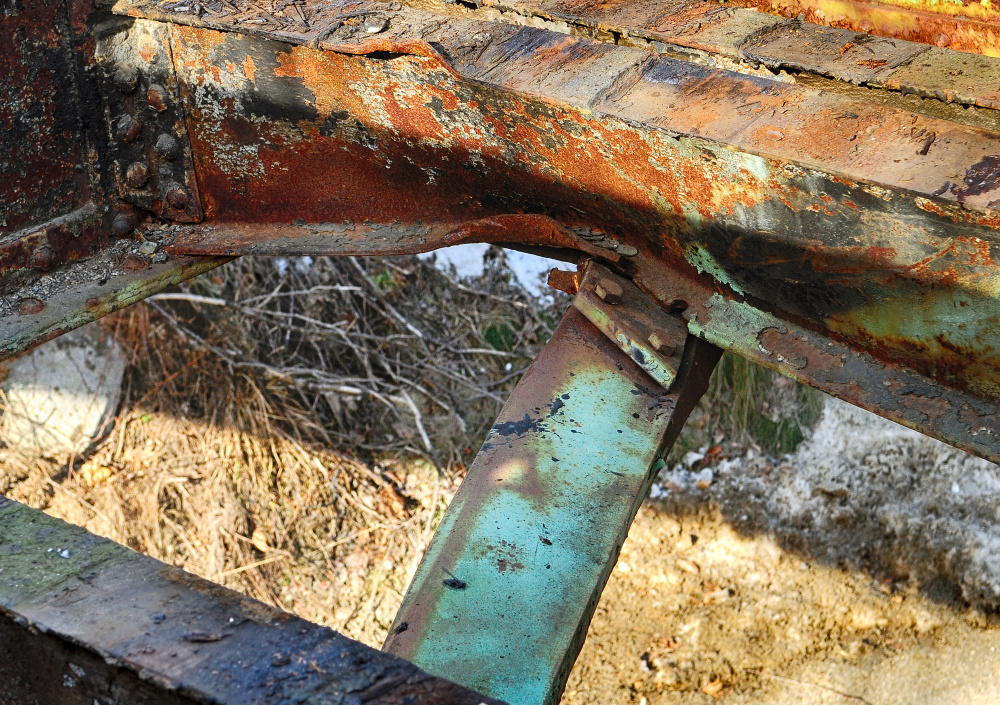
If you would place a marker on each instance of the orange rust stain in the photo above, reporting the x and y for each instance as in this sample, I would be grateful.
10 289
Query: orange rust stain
977 251
249 68
792 349
147 51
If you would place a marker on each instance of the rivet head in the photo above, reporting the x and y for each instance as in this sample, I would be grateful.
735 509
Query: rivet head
660 341
30 306
126 78
178 198
137 174
608 291
43 257
128 129
122 225
156 96
167 147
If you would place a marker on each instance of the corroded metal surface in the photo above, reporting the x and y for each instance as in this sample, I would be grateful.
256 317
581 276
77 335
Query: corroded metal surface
504 594
42 168
82 292
105 624
967 26
872 225
144 119
650 336
812 220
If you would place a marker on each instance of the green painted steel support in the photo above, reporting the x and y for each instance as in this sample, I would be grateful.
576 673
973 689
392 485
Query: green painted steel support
503 597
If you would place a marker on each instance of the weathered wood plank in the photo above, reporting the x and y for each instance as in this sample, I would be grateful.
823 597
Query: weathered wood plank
109 625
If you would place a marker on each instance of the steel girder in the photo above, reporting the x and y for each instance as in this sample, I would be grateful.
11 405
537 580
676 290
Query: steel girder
823 200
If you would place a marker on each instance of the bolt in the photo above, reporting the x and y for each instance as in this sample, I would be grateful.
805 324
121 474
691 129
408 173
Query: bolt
660 341
93 301
29 307
122 225
128 129
126 79
156 96
43 257
178 198
137 175
167 147
608 291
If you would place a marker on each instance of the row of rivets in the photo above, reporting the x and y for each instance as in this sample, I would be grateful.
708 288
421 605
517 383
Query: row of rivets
143 118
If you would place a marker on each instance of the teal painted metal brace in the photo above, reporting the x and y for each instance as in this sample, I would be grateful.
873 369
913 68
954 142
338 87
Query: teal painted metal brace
503 597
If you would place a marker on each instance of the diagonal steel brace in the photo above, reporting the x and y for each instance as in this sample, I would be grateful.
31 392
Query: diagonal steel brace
503 597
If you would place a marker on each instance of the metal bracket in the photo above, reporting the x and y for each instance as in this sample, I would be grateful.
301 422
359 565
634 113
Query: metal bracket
650 336
154 167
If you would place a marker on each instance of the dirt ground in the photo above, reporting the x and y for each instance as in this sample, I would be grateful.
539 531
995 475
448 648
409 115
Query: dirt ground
861 567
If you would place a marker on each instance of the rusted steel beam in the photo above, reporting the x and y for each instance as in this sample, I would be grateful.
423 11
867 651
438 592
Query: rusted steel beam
967 26
970 27
81 292
503 596
85 620
869 225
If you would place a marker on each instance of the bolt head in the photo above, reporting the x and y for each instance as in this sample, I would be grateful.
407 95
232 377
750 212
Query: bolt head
43 257
178 198
156 96
126 78
128 129
661 342
30 306
122 225
608 290
137 175
167 147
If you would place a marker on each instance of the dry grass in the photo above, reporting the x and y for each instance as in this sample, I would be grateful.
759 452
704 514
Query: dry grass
296 433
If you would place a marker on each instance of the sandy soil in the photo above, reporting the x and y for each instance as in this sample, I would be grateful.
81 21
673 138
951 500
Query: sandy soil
857 569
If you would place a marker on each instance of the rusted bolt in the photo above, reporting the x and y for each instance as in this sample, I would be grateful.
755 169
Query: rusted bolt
128 129
137 175
122 225
43 257
93 301
31 306
156 96
661 342
135 262
126 79
564 281
178 198
167 147
608 291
